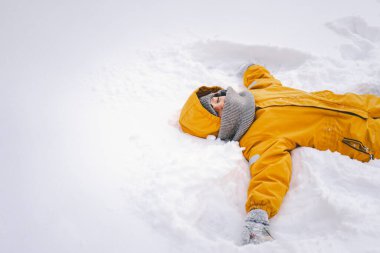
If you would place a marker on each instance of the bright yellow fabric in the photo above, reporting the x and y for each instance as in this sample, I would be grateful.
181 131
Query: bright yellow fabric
287 118
196 120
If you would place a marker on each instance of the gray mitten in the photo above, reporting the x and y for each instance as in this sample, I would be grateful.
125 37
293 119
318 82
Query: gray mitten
256 227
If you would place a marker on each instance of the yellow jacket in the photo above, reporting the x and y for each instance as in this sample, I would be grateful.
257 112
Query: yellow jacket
287 118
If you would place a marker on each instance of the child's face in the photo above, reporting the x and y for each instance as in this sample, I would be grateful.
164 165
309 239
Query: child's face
218 103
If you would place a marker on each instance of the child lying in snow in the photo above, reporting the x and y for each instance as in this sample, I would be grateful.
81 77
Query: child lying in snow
270 120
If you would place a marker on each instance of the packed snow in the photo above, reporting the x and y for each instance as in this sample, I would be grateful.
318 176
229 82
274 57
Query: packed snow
92 158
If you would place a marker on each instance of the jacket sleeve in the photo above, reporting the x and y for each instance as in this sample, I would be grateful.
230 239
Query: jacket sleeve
257 77
270 167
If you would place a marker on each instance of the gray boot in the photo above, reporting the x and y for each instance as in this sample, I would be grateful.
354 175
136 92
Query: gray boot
256 227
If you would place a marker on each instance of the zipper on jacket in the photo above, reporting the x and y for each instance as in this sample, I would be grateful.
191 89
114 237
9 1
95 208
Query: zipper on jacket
321 108
359 146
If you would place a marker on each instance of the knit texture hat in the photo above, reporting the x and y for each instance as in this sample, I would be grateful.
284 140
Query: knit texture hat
206 102
238 114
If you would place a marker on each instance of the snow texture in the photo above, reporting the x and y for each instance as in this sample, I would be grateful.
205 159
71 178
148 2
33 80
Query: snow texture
92 158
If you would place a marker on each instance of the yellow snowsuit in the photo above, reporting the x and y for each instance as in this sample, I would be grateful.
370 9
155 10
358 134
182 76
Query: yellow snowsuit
287 118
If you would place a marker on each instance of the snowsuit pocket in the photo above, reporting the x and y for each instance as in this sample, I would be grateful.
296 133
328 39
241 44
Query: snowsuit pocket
358 146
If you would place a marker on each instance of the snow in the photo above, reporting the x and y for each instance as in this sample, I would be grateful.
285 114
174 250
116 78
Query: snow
92 158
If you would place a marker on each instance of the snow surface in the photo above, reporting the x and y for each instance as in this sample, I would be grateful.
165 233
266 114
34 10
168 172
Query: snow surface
92 158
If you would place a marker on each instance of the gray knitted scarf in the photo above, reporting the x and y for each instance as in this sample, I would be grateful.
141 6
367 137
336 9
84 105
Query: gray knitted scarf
238 113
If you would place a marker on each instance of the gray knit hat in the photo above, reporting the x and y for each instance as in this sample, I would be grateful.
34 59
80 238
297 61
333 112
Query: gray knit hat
206 102
238 113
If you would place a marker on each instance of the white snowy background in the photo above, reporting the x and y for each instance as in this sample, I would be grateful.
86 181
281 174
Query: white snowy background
92 158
